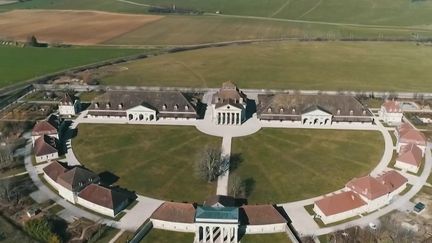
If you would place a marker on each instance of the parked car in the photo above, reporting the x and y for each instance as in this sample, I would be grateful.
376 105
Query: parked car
419 207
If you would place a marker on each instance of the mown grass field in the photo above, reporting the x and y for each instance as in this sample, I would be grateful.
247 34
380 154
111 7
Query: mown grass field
273 238
19 64
359 66
162 236
386 12
294 164
156 161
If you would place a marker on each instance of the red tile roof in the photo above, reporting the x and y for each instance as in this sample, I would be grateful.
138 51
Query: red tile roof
44 128
339 203
413 136
392 180
45 145
368 187
175 212
77 178
48 126
402 128
392 106
262 214
410 154
105 197
54 170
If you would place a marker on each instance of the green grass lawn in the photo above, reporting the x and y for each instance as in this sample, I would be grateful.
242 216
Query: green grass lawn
18 64
156 161
289 65
293 164
162 236
273 238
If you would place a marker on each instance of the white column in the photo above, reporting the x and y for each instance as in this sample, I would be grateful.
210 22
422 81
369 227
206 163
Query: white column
225 118
218 118
229 235
222 234
205 234
235 235
211 234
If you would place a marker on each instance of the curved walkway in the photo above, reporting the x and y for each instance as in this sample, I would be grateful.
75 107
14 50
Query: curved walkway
302 221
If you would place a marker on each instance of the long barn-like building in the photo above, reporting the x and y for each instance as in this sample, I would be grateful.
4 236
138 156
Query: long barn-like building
312 109
142 106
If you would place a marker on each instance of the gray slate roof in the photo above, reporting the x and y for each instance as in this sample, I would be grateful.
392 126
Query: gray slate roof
297 104
163 102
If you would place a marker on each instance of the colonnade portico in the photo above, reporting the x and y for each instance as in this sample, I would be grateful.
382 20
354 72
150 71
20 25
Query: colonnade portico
216 233
228 118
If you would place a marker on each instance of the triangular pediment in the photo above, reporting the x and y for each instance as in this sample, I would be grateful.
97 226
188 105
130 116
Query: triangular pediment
229 107
141 108
316 111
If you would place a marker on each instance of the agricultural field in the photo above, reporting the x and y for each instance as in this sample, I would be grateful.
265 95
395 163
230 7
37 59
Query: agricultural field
19 64
72 27
336 65
387 12
95 27
156 161
180 30
294 164
106 5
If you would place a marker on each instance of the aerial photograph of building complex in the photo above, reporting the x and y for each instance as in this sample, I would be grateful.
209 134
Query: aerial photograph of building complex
215 121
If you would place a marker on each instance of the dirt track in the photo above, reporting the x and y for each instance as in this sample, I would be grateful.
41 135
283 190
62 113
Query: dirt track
72 27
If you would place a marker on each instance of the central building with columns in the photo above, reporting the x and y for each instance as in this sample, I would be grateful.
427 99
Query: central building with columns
216 224
229 105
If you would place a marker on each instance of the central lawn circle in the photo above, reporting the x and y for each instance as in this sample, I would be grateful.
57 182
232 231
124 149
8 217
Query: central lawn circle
154 161
284 165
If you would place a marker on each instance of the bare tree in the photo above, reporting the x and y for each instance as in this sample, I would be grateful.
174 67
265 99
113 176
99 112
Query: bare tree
236 186
210 164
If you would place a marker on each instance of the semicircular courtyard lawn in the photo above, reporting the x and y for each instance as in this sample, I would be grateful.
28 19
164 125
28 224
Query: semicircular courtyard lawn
155 161
284 165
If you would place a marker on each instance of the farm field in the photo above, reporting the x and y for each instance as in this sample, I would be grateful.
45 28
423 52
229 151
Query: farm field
106 5
19 64
72 27
294 164
96 27
179 30
387 12
358 66
156 161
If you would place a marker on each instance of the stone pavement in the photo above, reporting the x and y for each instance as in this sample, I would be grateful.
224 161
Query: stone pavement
222 183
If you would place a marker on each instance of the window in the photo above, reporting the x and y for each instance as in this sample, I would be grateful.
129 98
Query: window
281 110
108 105
164 106
186 107
120 106
175 107
293 110
269 109
96 105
